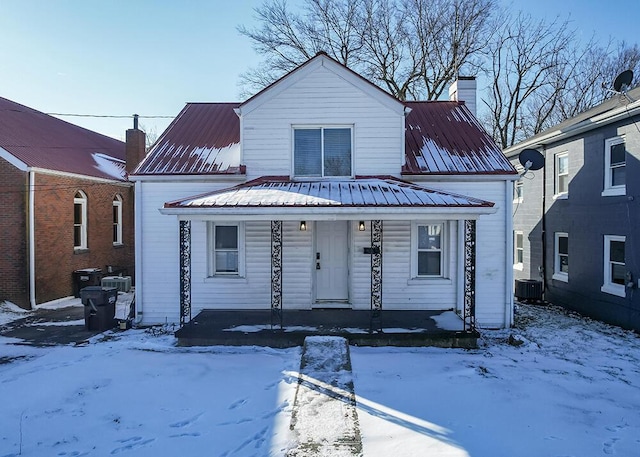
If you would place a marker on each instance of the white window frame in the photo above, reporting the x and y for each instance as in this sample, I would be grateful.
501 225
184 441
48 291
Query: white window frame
609 286
445 271
321 127
117 223
610 190
518 187
518 265
557 273
556 175
80 198
212 251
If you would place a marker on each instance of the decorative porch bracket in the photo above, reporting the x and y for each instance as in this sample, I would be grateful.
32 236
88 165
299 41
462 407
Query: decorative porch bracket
469 275
376 277
276 274
185 272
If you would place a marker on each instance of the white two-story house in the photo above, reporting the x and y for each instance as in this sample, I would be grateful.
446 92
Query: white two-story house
324 191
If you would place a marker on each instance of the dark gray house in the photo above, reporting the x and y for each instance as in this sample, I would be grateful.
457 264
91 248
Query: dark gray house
576 225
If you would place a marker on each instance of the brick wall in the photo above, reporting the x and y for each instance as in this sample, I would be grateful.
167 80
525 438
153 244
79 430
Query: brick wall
56 259
14 279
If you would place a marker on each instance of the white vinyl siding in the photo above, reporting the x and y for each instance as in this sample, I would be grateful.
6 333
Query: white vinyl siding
614 167
561 256
614 267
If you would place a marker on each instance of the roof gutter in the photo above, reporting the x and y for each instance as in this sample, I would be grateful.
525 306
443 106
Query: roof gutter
585 125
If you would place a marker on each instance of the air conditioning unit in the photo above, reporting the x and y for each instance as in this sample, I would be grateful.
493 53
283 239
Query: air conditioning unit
528 289
122 283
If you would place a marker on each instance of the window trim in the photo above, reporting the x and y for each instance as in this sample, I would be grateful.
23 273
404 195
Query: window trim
556 175
609 286
518 265
557 274
518 184
117 223
608 189
321 127
211 254
445 249
80 198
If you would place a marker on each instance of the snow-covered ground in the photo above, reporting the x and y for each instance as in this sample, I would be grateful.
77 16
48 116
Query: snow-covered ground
572 388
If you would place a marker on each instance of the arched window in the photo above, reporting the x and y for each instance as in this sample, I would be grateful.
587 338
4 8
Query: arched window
117 219
80 220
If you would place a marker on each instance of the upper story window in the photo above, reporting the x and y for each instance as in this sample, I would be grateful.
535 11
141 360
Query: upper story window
614 265
518 193
518 250
561 174
322 151
561 257
614 167
80 220
117 220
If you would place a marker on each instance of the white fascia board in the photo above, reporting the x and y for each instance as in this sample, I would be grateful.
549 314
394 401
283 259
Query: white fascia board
326 214
188 178
585 125
65 174
13 160
425 179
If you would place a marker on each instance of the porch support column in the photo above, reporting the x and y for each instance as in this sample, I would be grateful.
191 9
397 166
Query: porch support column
469 275
376 276
276 273
185 272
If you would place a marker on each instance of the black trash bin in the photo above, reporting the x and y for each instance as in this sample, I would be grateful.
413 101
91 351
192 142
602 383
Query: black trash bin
99 307
84 278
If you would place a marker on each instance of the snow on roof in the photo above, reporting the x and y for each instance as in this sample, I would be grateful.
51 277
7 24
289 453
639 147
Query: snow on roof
359 192
42 141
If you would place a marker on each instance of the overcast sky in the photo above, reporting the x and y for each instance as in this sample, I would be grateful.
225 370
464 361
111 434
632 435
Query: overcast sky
120 57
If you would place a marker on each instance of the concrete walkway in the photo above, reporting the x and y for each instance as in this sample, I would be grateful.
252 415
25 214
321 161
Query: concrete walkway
324 419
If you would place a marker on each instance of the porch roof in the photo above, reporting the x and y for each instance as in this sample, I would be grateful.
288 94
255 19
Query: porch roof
361 195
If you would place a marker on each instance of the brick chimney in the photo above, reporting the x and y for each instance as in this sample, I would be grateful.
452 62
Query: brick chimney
135 145
464 90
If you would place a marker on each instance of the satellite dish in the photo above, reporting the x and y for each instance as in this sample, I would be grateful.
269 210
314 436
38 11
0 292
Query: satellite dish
531 159
623 81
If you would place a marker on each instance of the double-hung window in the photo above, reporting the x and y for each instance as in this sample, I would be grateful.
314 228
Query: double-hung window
561 257
80 220
615 167
561 174
322 151
518 250
226 249
614 265
518 191
117 220
430 250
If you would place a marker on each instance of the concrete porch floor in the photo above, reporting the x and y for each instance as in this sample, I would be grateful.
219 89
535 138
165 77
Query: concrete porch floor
253 327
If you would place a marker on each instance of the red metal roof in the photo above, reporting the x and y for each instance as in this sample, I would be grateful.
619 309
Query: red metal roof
360 192
42 141
203 139
444 138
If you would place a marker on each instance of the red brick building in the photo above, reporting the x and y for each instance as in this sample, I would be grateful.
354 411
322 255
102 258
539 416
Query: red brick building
65 203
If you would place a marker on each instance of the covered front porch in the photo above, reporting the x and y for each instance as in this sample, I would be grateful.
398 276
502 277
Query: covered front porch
396 328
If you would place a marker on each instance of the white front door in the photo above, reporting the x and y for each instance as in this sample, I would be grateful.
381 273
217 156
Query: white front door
331 261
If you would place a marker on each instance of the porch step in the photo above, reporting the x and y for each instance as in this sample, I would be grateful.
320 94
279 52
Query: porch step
324 419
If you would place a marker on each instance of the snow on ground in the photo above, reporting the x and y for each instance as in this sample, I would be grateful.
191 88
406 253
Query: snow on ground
571 388
11 312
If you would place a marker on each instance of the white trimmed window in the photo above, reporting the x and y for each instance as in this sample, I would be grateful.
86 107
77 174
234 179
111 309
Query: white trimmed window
518 250
561 174
614 167
561 257
226 249
80 220
615 269
429 250
518 187
117 220
322 151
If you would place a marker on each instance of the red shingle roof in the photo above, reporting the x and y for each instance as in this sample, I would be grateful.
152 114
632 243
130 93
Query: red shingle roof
42 141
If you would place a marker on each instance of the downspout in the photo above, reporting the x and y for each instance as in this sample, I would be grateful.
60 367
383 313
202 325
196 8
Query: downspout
137 198
32 240
543 268
508 311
